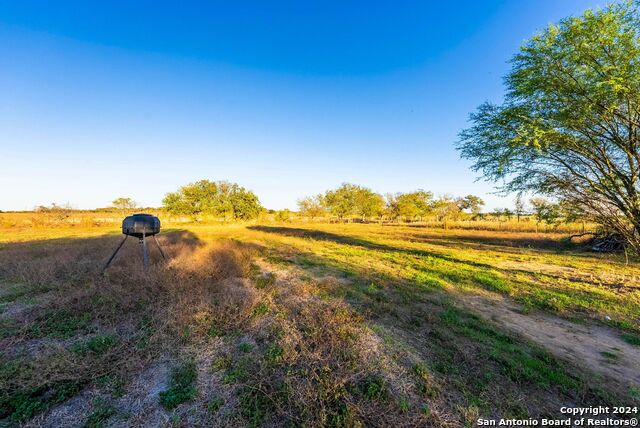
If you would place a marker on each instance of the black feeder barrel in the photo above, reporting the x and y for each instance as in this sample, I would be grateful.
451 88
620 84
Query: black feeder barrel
140 225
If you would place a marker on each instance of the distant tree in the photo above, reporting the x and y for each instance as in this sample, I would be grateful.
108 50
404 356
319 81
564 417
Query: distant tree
124 203
352 200
471 203
283 215
411 205
569 126
446 208
341 201
368 204
544 210
497 213
244 204
57 212
312 206
519 207
216 198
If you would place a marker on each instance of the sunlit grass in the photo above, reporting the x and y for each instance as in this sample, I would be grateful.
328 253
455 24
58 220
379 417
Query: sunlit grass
339 323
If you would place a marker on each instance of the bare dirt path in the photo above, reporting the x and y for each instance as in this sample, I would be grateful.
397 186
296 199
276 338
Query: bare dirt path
597 348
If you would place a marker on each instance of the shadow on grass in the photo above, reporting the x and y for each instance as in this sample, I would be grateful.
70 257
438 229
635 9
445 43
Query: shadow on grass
494 238
87 250
452 242
439 268
87 327
473 357
358 242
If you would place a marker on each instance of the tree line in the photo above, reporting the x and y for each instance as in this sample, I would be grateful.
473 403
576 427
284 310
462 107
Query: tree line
344 203
350 201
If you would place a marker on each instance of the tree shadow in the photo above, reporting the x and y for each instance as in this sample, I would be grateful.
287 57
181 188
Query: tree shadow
54 258
363 243
426 318
460 271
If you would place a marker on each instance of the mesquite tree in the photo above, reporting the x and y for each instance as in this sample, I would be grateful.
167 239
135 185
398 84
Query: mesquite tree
569 124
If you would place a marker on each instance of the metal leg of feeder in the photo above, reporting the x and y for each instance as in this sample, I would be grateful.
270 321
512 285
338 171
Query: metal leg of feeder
159 247
114 254
145 256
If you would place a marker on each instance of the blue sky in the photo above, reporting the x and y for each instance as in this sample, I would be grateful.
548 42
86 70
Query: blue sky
106 99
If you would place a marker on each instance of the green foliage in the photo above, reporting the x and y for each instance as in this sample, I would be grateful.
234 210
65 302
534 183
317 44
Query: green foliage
182 387
239 372
253 406
609 356
446 208
544 210
425 409
519 362
124 203
215 198
312 206
350 200
471 203
403 404
283 215
569 124
410 206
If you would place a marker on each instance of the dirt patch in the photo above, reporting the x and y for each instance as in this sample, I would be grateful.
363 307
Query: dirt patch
595 348
13 310
71 413
141 403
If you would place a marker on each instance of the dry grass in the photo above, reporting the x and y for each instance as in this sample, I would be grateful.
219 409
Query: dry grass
307 325
38 225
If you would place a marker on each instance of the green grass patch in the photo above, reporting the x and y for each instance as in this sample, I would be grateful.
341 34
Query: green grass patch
519 361
372 387
253 406
62 324
492 282
631 339
215 330
244 347
214 405
274 353
260 309
221 362
97 345
113 384
403 404
101 412
25 404
239 372
182 386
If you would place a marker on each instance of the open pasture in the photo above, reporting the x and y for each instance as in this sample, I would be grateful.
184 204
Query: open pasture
313 325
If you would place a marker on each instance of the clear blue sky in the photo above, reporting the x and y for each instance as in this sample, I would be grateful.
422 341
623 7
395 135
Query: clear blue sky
106 99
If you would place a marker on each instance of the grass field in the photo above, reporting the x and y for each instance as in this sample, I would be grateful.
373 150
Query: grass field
311 325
